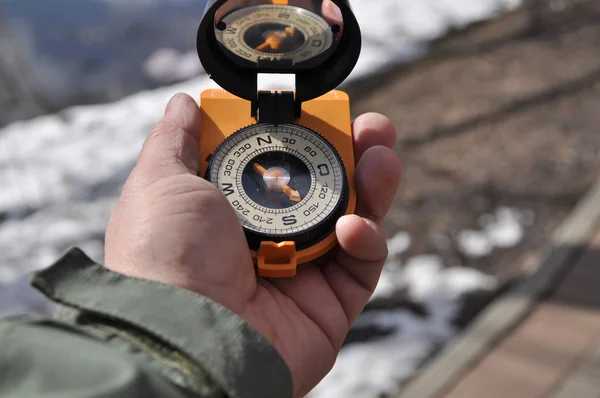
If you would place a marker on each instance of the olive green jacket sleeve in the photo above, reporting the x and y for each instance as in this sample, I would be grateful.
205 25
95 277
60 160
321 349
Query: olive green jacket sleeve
116 336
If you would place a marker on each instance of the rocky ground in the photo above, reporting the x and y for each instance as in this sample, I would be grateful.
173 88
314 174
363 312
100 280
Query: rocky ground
504 114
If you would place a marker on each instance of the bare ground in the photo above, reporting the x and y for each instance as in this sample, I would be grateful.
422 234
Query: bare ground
506 113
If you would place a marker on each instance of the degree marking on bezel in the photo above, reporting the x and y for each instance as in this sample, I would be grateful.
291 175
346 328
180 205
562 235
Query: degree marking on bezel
327 150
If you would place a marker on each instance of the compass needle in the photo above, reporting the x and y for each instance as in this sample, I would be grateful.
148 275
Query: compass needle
290 31
294 195
272 41
259 169
263 46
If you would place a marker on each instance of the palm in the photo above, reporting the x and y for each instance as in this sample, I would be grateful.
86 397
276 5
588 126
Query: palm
173 227
303 316
304 320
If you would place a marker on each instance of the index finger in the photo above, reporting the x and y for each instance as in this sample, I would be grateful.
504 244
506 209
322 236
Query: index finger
372 129
378 169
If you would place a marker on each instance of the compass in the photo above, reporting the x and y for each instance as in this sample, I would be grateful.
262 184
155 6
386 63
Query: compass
283 159
286 182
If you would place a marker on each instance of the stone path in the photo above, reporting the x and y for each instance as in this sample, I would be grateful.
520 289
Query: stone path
542 338
555 351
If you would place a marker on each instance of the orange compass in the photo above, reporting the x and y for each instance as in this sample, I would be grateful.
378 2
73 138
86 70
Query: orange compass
284 159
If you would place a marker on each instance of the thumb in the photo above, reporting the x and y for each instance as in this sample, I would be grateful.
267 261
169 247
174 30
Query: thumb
172 146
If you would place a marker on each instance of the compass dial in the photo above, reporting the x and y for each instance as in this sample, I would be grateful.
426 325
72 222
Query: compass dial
286 183
274 32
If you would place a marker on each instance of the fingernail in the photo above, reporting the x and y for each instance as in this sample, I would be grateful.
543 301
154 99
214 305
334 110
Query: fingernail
337 14
333 12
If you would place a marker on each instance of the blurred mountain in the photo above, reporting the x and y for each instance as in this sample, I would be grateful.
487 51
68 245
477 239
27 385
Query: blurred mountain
54 53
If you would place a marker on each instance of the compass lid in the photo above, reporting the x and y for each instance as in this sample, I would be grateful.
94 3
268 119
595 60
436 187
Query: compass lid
319 41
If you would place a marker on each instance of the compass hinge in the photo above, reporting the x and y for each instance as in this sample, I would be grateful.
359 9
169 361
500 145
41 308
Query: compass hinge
276 107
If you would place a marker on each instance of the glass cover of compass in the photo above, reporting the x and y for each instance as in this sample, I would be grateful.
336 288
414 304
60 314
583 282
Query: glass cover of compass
285 182
278 32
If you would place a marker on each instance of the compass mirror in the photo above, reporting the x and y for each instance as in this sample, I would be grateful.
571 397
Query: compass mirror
278 33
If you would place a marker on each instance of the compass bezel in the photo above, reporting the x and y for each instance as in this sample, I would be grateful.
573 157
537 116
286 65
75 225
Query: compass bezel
308 237
314 79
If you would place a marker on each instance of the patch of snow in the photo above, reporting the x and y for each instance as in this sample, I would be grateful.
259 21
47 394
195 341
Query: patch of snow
61 175
503 229
168 65
20 298
421 275
459 281
474 243
412 25
52 230
399 244
389 282
378 367
507 231
371 369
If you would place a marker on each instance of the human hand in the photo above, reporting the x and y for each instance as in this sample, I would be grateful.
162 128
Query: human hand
176 228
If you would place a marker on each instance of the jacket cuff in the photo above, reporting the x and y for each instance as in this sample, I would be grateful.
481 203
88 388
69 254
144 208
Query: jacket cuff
233 353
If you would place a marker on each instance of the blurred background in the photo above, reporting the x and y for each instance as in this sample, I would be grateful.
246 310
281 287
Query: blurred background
495 103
